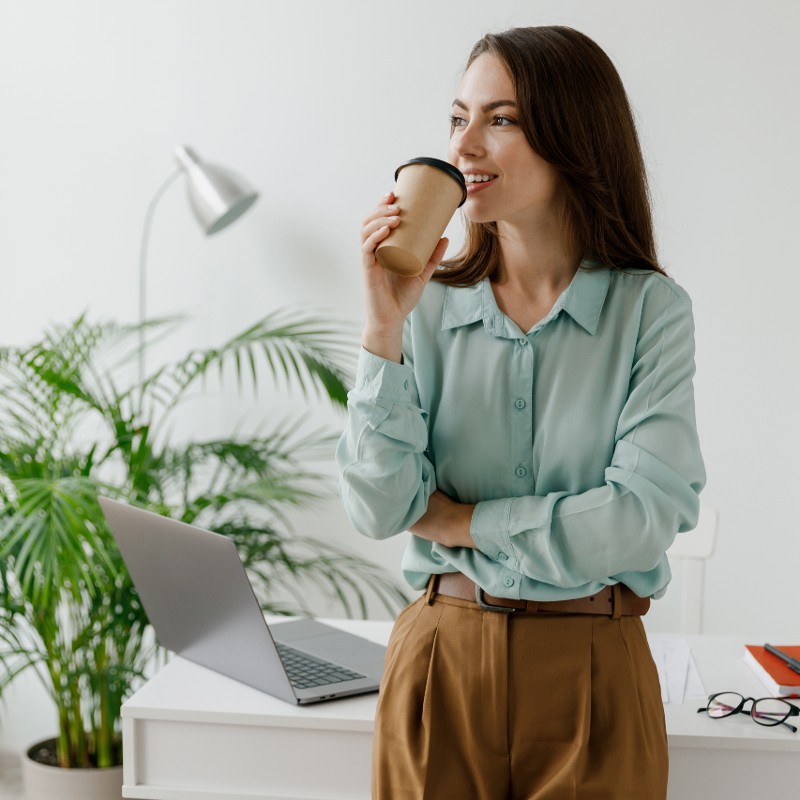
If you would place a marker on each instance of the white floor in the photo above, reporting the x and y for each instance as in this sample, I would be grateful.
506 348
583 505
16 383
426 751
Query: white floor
10 779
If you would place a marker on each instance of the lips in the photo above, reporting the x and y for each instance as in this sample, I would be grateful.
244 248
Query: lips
478 180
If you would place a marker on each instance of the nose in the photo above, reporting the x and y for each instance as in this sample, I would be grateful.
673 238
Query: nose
467 142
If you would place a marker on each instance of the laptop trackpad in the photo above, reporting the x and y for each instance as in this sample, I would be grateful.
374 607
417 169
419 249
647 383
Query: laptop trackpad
330 643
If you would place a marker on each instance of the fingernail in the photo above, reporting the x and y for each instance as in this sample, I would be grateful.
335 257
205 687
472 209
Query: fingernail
392 207
387 195
392 219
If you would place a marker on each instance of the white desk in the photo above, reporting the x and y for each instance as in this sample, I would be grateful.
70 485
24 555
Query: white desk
191 733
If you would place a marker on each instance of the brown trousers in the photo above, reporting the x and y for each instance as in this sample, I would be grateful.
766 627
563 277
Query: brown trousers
480 705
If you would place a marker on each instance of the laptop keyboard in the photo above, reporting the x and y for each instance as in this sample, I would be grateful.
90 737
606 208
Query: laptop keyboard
305 671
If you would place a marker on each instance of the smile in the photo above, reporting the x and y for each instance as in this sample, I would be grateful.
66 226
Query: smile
474 178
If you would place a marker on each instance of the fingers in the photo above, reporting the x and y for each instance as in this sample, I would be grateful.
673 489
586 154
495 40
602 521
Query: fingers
386 207
380 228
377 225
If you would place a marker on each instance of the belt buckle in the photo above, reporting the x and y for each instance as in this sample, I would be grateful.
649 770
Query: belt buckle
488 606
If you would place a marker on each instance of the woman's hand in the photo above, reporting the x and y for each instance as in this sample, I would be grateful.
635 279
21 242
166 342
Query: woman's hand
446 522
389 297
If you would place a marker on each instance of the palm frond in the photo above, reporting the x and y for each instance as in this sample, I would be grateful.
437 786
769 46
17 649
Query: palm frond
295 348
54 538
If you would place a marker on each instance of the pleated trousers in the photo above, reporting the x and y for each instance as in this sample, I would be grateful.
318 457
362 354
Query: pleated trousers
481 705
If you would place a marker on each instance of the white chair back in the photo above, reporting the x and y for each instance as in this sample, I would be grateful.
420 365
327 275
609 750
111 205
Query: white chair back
692 549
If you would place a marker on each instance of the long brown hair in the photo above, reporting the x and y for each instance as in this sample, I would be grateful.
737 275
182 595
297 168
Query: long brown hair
575 114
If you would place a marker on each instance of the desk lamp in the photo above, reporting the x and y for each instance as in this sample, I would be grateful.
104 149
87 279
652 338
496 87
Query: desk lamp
217 197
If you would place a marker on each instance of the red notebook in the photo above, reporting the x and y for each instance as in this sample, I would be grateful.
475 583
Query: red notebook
774 673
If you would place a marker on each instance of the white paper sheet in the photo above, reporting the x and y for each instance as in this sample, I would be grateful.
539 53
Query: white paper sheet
677 672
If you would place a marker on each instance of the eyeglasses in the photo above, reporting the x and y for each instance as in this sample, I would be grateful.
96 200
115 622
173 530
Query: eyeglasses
765 710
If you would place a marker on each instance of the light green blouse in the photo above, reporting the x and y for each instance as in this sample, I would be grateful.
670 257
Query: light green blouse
576 440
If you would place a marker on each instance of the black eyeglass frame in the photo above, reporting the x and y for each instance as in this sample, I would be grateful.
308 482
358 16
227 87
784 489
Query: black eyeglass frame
793 710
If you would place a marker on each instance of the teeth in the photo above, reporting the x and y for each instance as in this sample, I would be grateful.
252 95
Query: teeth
479 178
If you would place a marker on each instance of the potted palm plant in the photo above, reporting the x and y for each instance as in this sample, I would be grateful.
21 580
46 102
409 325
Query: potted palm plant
75 422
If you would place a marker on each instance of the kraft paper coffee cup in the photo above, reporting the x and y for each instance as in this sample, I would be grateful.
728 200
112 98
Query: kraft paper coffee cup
428 192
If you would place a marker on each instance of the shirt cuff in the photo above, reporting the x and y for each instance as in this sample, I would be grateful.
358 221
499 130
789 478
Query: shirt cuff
491 533
385 380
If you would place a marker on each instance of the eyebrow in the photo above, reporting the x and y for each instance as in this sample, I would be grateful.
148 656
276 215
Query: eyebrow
488 107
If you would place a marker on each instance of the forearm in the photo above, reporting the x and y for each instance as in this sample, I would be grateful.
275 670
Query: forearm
385 343
445 521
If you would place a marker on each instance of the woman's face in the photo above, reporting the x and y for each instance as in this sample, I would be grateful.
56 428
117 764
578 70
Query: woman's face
506 180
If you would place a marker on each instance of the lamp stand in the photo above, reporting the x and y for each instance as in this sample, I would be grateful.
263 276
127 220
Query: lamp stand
148 220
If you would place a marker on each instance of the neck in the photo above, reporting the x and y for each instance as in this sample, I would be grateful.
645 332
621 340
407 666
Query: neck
536 267
536 260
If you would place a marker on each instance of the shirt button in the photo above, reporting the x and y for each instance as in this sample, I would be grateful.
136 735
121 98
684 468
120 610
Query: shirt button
405 384
503 556
522 342
520 403
509 582
521 472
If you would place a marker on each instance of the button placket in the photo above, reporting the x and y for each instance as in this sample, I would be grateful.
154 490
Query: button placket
521 399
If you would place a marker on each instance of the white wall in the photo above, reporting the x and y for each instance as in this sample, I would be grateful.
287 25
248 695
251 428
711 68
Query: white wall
316 102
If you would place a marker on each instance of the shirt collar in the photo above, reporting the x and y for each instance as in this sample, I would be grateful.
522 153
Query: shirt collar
585 296
583 300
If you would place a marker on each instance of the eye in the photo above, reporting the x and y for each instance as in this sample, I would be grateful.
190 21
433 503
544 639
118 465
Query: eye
456 121
502 121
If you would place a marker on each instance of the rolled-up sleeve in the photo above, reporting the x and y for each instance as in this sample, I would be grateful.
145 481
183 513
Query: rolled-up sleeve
386 477
651 486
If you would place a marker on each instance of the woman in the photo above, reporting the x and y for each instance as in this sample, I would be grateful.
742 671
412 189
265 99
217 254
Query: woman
527 412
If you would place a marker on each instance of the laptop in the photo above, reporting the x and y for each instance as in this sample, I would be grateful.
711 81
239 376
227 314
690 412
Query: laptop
199 599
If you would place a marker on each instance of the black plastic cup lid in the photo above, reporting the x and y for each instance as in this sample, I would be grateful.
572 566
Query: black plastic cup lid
452 171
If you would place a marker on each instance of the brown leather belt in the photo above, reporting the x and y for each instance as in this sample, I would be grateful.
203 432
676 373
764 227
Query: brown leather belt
613 601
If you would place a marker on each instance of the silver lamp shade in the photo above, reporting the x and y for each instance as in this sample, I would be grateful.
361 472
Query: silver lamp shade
217 195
